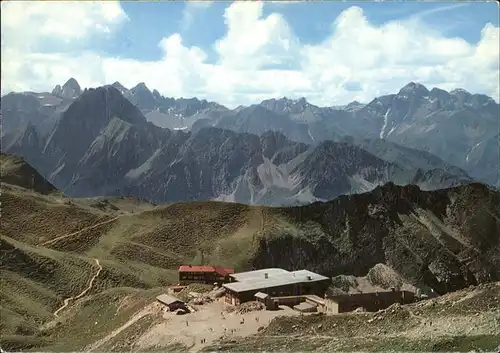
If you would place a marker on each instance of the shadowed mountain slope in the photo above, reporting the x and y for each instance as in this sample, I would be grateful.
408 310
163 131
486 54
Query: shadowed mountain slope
442 240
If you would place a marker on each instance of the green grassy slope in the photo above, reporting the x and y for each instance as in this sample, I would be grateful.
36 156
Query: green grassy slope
16 171
49 242
446 240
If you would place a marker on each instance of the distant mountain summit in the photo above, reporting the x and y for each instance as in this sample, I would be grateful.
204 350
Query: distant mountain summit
103 145
70 90
353 106
143 97
114 140
120 87
285 105
414 89
79 126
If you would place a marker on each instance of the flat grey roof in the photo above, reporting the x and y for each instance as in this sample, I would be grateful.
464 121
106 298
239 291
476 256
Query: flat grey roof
255 280
254 275
167 299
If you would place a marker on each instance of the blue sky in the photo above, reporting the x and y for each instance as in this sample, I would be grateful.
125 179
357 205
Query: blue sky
240 52
311 22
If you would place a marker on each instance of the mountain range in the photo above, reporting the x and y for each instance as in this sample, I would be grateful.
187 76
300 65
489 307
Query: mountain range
115 141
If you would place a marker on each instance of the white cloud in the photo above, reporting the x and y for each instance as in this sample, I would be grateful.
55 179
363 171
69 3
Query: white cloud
380 59
190 10
25 25
395 53
26 22
252 42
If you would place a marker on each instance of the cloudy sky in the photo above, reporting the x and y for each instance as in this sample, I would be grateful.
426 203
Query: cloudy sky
244 52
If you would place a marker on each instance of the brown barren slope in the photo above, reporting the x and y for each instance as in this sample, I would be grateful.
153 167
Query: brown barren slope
444 240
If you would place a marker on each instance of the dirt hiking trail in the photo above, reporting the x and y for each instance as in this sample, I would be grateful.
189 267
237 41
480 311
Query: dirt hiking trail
51 241
153 308
91 283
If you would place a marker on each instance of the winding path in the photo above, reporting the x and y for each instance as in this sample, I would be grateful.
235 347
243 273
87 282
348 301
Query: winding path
261 221
91 283
51 241
148 310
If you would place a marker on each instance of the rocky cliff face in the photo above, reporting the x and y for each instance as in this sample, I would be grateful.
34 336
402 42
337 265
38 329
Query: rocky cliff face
445 239
103 145
25 142
458 127
177 114
453 126
40 109
450 125
79 126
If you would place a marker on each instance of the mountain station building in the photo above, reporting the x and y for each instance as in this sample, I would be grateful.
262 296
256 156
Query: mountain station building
275 282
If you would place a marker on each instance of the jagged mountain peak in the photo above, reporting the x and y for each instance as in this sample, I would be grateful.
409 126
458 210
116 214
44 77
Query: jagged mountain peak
286 100
354 103
57 90
301 100
143 97
70 90
98 91
414 88
104 100
73 83
458 91
141 86
119 86
354 106
382 101
286 105
191 100
157 94
390 117
439 93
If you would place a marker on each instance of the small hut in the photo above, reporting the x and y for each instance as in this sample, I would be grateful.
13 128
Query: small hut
171 302
266 300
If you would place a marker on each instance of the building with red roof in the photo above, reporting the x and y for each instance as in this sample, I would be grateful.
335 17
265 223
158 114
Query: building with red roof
204 274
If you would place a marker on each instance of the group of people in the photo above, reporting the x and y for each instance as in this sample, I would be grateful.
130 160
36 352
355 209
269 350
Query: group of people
242 321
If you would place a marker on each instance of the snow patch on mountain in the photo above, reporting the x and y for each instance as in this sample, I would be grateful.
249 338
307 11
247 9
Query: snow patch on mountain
384 127
472 150
310 135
